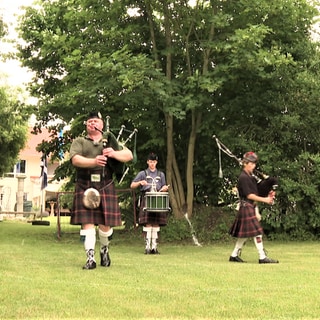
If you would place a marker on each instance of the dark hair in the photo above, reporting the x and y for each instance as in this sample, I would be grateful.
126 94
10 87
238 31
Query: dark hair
94 115
152 156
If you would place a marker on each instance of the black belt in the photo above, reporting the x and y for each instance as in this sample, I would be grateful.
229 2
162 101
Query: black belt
247 200
86 174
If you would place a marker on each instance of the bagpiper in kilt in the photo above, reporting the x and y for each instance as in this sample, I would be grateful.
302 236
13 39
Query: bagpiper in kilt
246 224
95 200
108 213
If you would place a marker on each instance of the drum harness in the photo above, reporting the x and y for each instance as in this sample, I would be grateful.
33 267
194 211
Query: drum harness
153 185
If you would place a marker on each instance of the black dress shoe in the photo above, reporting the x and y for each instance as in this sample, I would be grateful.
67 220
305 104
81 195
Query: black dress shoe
235 259
91 264
155 251
268 260
105 258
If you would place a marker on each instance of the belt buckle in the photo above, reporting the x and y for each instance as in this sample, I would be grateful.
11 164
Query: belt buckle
95 177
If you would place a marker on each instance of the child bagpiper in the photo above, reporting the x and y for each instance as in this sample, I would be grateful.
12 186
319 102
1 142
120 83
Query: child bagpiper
246 224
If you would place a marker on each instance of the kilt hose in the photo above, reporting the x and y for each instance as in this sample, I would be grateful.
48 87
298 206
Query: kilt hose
246 224
149 217
107 214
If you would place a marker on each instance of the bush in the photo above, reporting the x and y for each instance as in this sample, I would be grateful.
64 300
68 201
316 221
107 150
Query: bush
207 223
176 230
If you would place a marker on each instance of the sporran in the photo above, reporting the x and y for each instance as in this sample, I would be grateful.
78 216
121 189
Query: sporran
91 198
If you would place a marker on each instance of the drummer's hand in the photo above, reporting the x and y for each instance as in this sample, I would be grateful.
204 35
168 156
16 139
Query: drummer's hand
143 183
164 188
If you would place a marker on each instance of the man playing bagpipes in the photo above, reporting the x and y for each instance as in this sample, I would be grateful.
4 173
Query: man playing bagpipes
95 200
247 222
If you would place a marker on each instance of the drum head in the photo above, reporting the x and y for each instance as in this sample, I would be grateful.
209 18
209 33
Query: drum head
91 198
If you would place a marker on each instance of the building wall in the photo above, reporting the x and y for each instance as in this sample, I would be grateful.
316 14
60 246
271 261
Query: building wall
32 181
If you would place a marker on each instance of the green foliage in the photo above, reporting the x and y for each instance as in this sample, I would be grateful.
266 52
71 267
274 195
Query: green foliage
297 211
245 71
13 129
208 224
3 28
14 115
176 230
127 208
213 223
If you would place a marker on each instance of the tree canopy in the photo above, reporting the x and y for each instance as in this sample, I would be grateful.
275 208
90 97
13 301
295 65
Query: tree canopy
14 115
13 130
181 72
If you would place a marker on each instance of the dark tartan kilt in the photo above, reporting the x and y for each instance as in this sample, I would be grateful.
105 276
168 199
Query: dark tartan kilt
246 224
149 217
108 213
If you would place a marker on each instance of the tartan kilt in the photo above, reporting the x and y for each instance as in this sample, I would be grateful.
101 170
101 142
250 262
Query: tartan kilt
150 217
107 214
246 224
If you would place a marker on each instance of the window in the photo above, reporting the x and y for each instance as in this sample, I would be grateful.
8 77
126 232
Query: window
20 167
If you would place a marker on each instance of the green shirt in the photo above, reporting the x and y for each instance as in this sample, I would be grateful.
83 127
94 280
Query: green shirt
84 146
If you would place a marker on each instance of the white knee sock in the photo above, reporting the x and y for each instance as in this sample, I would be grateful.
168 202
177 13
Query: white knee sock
90 238
239 244
105 237
259 245
154 235
147 230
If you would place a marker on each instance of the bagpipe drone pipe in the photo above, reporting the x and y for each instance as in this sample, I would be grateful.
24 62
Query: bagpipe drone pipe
110 140
265 183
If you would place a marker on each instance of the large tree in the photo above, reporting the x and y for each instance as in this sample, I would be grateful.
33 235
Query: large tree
179 72
13 129
14 115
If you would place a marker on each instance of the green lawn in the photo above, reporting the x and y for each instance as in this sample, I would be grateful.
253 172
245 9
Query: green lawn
41 277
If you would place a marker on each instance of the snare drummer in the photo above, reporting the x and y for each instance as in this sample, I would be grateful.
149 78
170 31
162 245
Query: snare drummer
148 180
90 159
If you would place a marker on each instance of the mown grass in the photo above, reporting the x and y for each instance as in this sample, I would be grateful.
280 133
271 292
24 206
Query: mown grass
41 277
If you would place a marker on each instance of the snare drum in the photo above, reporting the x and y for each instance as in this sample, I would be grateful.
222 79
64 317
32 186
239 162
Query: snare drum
156 202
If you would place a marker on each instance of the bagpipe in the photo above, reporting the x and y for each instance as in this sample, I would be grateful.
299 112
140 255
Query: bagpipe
109 139
266 184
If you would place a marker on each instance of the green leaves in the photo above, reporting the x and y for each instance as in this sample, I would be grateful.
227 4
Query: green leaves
243 70
13 129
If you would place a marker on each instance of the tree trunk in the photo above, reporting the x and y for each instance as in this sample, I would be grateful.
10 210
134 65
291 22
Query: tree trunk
196 121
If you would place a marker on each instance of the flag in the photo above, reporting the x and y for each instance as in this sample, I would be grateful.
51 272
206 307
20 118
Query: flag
60 137
44 171
18 167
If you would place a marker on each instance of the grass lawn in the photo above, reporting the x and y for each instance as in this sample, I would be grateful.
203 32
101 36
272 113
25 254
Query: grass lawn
41 277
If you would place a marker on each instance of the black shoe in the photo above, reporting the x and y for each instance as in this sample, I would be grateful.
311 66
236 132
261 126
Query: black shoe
105 257
155 251
235 259
268 260
90 264
147 251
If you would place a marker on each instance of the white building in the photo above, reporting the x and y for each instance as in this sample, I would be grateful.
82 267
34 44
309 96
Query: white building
28 172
